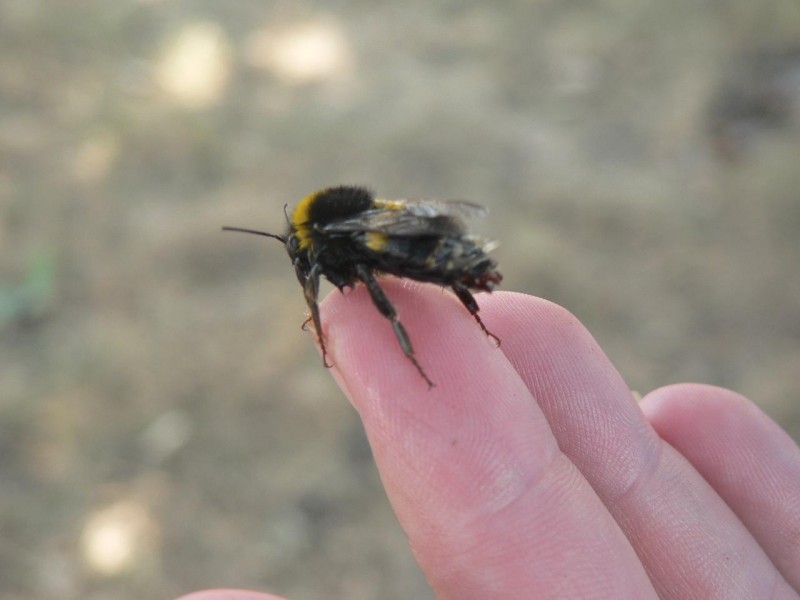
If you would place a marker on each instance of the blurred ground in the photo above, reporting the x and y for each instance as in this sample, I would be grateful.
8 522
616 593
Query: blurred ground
165 425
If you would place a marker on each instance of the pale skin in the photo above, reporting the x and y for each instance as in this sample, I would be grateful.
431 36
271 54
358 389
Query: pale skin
530 471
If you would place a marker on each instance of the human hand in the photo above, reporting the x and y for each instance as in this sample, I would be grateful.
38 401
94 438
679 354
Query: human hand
530 471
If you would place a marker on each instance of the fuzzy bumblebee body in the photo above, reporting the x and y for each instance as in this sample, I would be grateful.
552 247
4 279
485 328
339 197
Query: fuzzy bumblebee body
347 235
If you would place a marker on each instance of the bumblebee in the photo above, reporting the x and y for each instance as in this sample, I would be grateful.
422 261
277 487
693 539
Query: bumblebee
347 235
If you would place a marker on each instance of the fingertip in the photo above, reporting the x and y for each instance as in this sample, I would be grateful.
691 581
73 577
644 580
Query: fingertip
749 460
510 309
369 361
478 411
549 346
226 594
681 408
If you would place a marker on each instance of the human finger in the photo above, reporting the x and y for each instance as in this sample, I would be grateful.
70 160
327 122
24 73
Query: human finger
491 506
747 458
690 542
229 595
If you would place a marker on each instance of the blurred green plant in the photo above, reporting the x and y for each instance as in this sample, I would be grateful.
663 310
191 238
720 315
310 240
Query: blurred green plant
29 299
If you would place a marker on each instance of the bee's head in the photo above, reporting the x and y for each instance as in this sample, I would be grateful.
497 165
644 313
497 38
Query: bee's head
293 246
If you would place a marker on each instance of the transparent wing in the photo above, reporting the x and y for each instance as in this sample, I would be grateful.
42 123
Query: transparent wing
441 208
411 218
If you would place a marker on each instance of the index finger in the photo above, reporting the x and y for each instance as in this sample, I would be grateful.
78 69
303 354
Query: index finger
491 506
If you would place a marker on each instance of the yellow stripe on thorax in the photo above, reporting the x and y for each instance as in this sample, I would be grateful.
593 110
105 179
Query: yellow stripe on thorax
389 204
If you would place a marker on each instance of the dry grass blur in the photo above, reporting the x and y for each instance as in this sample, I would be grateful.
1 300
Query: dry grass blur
165 425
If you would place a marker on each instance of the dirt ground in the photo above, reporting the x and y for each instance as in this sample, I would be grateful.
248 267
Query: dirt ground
165 425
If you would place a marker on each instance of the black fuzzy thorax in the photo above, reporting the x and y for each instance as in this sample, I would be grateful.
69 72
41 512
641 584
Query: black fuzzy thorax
338 203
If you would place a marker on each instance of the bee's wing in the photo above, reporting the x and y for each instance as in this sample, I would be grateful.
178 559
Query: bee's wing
411 218
444 208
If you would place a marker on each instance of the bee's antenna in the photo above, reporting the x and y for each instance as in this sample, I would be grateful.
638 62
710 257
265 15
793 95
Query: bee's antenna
286 214
280 238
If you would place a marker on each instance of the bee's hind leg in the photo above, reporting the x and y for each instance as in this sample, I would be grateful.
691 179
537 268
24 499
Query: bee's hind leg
469 302
382 303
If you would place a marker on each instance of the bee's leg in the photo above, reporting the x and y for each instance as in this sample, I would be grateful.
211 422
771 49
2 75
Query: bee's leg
382 303
310 283
468 300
